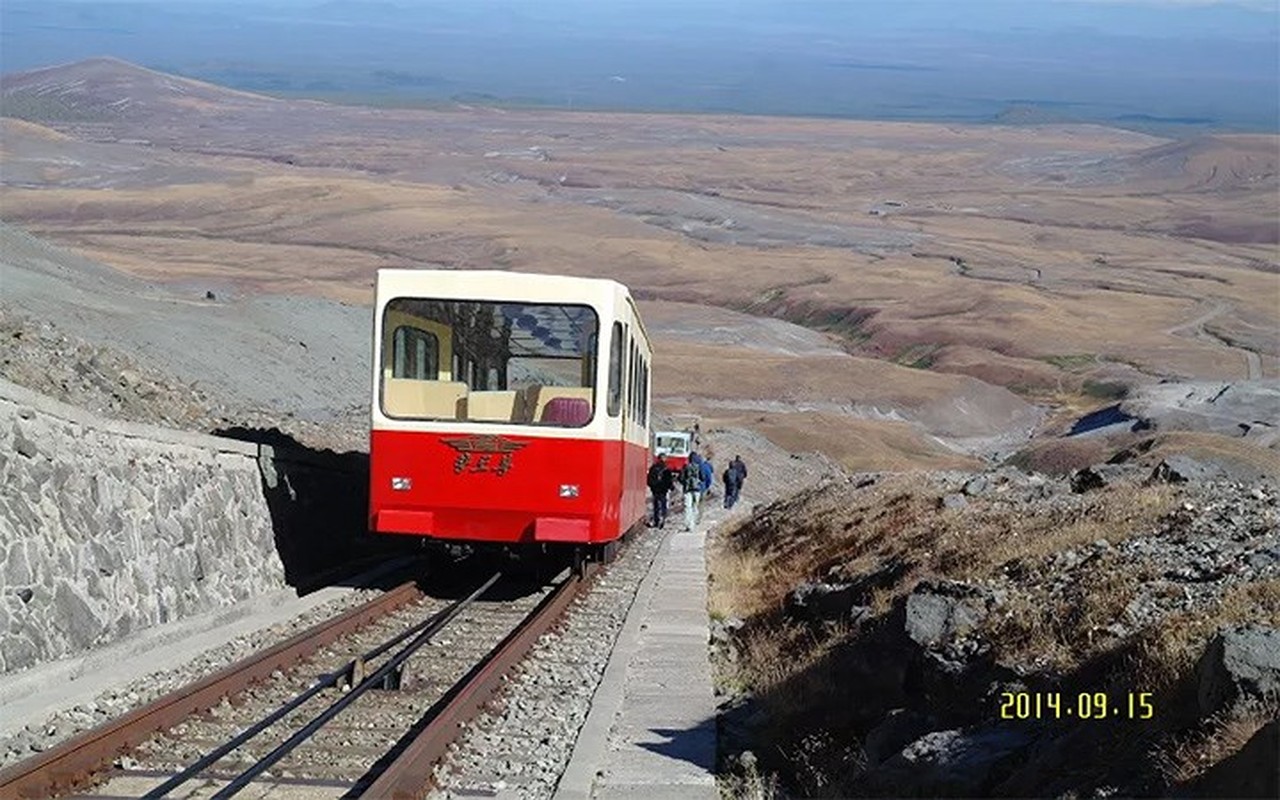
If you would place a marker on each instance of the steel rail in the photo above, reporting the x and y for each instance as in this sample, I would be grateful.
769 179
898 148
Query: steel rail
325 681
71 763
263 764
410 774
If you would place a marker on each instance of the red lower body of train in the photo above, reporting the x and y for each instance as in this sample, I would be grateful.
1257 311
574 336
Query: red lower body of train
675 462
505 489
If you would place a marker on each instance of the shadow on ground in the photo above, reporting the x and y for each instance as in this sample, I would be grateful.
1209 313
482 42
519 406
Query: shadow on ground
319 503
879 715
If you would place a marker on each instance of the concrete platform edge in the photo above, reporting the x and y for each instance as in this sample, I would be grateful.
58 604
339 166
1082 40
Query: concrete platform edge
579 776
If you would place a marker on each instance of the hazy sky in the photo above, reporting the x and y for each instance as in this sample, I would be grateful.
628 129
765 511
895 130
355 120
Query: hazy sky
1182 62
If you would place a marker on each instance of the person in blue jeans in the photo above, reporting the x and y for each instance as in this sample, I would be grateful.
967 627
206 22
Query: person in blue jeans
691 485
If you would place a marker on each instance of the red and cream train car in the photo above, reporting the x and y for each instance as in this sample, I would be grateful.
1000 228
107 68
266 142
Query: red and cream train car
508 408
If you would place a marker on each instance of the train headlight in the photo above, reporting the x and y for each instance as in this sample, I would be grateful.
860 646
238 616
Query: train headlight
568 490
401 484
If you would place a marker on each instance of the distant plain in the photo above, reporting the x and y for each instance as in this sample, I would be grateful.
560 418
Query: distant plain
956 276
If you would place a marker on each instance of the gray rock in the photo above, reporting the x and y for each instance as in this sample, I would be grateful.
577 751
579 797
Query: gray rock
976 485
1086 480
953 501
18 651
1240 669
901 727
864 584
22 445
17 569
1232 409
1183 469
825 602
952 762
939 610
76 615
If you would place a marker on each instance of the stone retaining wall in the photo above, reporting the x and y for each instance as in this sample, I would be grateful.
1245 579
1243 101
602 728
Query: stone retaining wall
108 527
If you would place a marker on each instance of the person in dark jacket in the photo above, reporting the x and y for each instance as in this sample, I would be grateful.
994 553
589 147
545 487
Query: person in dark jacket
691 484
734 476
660 480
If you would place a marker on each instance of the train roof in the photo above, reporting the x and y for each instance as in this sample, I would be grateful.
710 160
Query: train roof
496 285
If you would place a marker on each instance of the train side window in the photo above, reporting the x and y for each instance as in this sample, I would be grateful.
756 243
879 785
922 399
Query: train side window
615 369
629 397
415 354
635 381
644 393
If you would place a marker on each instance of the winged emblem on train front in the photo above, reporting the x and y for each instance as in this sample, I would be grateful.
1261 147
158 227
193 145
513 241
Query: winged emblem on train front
483 453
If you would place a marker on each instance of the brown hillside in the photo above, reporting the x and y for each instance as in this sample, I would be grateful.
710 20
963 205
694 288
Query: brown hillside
1211 162
103 89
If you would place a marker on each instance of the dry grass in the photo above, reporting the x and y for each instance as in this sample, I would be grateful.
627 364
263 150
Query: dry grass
736 576
1166 653
852 531
1185 758
1222 449
1063 633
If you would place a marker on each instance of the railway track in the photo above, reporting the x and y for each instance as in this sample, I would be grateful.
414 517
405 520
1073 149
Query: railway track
361 715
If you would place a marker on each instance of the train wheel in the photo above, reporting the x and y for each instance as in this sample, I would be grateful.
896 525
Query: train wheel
579 561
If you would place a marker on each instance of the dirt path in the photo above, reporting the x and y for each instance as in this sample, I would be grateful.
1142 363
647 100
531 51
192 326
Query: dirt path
1195 329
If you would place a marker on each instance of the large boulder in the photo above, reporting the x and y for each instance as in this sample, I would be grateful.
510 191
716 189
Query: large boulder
899 728
1086 480
1240 670
952 763
824 602
1184 469
937 611
843 596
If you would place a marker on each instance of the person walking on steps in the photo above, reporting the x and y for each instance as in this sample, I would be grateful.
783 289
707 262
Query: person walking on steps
691 485
660 480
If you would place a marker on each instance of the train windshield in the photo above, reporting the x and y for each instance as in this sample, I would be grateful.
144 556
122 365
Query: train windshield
480 361
671 444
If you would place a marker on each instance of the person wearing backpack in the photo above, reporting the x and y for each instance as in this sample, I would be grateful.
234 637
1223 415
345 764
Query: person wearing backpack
691 485
660 480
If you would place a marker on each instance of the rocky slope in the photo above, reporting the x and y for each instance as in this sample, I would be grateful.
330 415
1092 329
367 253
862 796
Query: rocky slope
203 358
958 634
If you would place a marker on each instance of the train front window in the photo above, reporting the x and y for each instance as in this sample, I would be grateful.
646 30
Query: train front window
672 445
480 361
